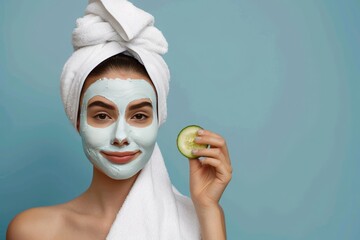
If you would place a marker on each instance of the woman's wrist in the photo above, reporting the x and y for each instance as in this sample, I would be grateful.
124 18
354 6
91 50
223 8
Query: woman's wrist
212 221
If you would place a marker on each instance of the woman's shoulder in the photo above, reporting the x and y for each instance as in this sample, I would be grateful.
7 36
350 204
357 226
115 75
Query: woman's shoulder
37 223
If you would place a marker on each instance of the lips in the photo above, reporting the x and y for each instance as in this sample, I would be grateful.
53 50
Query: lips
120 157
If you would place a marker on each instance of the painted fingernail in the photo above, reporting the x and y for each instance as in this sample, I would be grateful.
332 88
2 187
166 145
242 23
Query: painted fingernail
194 151
201 159
197 139
200 132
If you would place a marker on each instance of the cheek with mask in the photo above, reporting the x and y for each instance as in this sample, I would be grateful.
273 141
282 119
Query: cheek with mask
120 149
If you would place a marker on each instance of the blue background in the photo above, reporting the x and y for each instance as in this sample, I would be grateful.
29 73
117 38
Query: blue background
278 79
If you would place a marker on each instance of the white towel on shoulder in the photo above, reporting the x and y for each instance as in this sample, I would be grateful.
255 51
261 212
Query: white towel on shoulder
154 209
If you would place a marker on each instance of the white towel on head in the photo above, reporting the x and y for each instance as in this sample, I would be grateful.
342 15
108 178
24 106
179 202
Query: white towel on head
154 209
110 27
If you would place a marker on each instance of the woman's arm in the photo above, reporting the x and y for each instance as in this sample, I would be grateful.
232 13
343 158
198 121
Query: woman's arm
208 180
212 223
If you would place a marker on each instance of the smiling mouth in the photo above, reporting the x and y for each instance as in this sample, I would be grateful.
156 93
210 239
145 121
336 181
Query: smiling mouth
120 157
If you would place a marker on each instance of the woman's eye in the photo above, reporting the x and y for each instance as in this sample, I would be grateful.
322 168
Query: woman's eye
139 116
102 116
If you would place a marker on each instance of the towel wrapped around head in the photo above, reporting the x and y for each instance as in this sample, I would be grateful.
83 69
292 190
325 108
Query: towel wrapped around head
110 27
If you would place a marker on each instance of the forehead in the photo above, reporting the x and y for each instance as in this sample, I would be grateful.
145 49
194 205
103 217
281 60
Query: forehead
119 90
114 74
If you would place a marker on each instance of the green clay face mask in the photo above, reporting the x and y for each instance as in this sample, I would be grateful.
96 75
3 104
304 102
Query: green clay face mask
119 161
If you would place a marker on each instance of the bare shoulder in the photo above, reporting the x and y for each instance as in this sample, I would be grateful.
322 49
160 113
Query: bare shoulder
36 223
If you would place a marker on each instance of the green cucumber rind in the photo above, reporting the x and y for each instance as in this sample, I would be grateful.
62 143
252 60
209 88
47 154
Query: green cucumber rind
180 144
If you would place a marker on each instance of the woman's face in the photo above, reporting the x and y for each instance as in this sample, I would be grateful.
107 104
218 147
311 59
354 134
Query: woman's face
118 122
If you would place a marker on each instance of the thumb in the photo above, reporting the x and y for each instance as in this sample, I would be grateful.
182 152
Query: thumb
195 165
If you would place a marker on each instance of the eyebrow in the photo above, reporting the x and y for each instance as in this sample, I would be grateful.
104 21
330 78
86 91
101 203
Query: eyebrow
101 104
140 105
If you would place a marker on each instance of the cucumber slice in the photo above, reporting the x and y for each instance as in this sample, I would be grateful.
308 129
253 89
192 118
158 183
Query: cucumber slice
185 141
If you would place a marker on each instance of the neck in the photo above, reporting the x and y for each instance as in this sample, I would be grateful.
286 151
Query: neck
107 194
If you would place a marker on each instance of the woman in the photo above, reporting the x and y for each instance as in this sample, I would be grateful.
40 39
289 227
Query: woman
119 105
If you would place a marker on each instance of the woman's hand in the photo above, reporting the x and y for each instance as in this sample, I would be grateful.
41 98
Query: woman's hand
209 177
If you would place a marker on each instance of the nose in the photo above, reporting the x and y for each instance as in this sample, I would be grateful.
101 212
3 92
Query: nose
120 136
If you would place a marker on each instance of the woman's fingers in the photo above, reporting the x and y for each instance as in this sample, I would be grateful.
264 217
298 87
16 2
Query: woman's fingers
209 152
195 165
224 174
215 153
212 141
216 142
203 132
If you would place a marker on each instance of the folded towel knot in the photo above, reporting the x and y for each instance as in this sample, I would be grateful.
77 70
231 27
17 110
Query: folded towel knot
130 28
